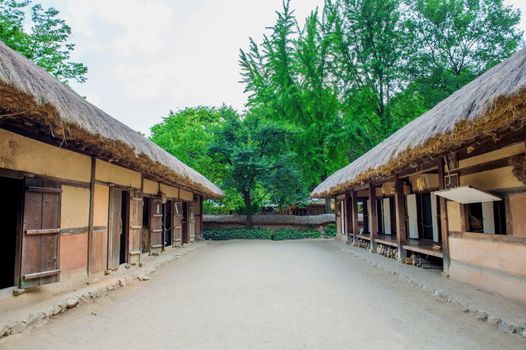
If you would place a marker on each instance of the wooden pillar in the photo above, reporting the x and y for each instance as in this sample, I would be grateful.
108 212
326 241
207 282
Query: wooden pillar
373 215
401 227
354 204
348 216
91 214
443 220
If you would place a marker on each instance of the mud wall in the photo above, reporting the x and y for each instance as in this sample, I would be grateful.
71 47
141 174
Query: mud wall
25 154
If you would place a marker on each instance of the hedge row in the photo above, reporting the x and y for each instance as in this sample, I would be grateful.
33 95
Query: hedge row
258 233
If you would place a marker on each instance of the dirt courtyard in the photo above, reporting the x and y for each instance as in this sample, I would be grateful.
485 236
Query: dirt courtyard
266 295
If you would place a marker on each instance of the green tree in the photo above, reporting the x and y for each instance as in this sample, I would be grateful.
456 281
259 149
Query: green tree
457 40
47 43
189 134
288 80
257 154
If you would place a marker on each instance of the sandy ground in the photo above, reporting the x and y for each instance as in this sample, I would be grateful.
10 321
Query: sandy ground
266 295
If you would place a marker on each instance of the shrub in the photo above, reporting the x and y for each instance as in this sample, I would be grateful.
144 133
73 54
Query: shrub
242 233
311 234
238 233
330 230
286 233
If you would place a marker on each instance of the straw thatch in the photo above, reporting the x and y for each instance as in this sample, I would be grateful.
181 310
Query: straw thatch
492 102
36 100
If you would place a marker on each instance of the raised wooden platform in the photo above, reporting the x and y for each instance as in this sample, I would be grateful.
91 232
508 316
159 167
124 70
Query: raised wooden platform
423 246
364 237
387 240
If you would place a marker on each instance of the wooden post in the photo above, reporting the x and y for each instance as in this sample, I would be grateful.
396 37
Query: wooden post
354 205
373 216
348 216
91 214
443 220
401 228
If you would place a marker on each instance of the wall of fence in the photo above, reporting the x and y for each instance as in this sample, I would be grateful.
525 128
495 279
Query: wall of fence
316 222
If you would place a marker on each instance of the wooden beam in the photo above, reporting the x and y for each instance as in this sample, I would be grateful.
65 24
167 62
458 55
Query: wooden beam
401 227
348 216
91 214
374 215
487 144
354 204
443 220
494 164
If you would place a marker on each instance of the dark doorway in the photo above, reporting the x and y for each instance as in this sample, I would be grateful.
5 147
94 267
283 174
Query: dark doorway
168 223
11 191
426 210
124 228
145 234
379 215
185 223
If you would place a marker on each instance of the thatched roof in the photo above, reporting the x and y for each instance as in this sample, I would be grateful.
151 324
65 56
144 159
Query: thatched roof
40 102
491 102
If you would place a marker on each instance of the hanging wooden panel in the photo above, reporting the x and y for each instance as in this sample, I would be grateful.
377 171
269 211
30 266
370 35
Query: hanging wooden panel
134 227
191 221
114 228
40 262
156 223
177 224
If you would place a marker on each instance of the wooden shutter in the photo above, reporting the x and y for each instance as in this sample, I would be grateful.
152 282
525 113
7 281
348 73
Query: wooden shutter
40 263
191 221
156 223
135 227
177 224
114 228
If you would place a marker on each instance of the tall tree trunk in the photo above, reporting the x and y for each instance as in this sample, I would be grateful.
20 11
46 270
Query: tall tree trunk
248 209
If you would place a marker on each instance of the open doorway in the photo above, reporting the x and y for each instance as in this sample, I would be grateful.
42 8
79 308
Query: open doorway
426 216
118 228
185 232
168 223
10 216
124 228
145 234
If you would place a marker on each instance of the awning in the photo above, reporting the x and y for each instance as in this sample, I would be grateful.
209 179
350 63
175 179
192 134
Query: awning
467 195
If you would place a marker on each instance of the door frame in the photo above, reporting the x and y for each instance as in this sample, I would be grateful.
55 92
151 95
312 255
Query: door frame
14 175
124 191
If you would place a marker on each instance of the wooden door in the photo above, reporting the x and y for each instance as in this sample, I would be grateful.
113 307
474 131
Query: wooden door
191 221
40 251
177 224
114 228
135 227
156 223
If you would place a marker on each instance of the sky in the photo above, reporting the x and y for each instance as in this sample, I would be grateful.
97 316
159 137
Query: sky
147 57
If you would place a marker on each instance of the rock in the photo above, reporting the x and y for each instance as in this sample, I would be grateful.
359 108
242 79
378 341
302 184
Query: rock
481 315
143 278
122 282
492 320
506 327
524 333
72 302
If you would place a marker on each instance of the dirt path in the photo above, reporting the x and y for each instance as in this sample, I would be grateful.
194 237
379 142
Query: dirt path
266 295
